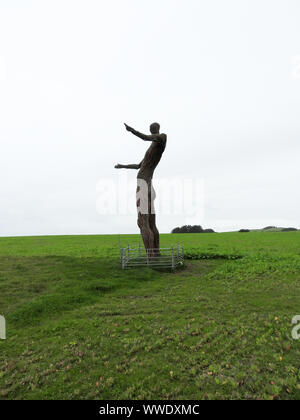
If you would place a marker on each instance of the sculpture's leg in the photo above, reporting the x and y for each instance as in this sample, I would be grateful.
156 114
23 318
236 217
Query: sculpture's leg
143 208
147 234
152 223
155 234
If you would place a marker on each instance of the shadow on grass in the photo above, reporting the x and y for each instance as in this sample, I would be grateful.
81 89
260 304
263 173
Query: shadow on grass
35 288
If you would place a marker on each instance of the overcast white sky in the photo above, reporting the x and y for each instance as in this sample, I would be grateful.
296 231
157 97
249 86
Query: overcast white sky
221 76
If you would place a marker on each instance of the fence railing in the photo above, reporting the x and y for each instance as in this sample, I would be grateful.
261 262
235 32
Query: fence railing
162 257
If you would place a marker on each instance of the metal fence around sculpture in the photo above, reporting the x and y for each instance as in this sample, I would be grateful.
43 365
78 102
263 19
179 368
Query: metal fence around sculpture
164 257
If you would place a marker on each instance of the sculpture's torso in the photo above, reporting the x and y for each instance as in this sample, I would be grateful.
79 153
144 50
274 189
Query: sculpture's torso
152 158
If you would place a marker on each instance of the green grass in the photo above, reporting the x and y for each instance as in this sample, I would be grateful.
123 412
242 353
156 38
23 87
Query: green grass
78 327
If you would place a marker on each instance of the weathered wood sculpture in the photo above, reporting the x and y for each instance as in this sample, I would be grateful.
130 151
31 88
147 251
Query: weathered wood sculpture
145 190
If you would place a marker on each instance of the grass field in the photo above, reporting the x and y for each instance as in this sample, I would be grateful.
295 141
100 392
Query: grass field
78 327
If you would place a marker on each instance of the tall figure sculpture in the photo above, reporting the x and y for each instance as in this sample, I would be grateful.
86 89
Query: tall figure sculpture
145 190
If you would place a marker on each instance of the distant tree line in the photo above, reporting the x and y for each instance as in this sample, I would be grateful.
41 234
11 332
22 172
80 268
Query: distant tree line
199 229
288 229
272 229
192 229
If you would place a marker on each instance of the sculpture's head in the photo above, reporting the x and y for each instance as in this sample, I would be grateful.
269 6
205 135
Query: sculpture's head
154 128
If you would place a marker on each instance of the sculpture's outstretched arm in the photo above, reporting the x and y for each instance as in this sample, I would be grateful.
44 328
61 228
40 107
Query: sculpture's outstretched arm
133 166
145 137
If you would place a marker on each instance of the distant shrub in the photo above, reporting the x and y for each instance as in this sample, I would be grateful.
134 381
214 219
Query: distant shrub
176 230
192 229
244 230
289 229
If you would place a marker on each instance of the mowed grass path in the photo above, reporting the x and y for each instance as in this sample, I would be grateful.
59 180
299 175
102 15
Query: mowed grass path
78 327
